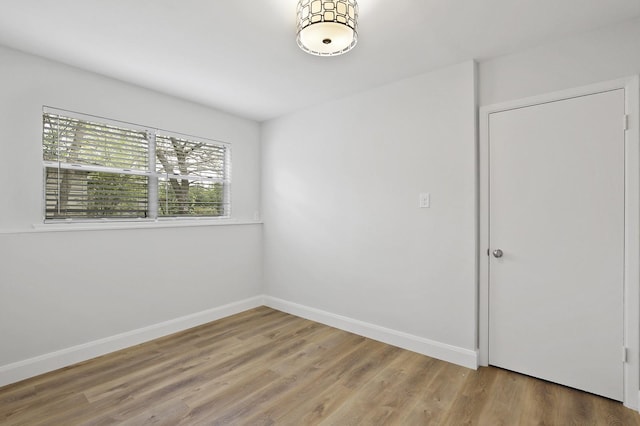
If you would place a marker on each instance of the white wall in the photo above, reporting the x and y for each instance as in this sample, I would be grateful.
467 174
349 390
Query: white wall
60 289
343 231
605 54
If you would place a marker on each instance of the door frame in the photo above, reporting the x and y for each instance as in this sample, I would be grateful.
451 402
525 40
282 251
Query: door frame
631 292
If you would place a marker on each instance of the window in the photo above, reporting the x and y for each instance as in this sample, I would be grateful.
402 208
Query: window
103 169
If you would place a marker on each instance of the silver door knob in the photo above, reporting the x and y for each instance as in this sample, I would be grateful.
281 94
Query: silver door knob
497 253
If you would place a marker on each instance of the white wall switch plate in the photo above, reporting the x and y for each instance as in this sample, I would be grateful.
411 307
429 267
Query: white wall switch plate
425 200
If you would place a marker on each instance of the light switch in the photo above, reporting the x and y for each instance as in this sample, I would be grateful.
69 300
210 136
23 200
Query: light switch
425 200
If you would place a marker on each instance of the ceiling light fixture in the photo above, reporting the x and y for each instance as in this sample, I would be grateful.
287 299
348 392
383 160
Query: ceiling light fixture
327 27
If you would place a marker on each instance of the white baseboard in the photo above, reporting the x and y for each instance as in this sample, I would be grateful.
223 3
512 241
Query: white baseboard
456 355
31 367
21 370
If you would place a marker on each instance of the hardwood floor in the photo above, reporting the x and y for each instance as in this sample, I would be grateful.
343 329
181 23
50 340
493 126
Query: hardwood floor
264 367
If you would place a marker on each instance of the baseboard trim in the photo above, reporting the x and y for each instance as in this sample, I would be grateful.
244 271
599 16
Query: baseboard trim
25 369
456 355
15 372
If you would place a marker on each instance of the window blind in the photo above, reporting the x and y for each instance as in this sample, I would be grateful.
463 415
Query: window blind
192 176
99 170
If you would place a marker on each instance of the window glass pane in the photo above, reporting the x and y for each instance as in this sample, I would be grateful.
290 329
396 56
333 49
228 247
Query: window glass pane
86 194
177 156
187 197
83 142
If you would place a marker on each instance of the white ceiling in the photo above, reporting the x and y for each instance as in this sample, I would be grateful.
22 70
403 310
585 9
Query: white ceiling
241 56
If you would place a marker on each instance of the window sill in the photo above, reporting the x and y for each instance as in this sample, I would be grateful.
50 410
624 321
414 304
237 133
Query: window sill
105 226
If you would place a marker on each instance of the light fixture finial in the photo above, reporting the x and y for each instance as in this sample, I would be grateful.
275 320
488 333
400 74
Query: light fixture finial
327 27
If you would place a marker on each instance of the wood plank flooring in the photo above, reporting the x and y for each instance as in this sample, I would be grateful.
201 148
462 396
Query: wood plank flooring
265 367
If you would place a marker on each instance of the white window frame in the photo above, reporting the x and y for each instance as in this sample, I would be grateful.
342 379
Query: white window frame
152 174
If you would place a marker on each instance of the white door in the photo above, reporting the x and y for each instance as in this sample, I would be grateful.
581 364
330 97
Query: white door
556 200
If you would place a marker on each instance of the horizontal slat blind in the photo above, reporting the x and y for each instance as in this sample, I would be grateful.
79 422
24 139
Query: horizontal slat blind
187 197
81 194
193 176
104 170
183 157
72 141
